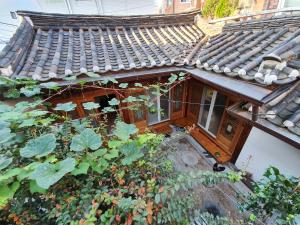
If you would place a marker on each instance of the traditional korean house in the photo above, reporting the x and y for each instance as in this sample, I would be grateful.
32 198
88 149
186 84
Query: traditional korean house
243 82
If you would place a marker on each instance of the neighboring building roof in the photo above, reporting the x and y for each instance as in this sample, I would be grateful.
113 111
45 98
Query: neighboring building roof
75 44
280 116
264 50
284 111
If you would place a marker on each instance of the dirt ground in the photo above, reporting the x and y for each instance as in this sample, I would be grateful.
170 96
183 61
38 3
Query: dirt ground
220 199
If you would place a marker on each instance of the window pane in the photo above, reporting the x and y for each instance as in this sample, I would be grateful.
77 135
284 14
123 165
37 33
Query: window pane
217 113
291 3
164 106
205 105
152 110
138 112
178 97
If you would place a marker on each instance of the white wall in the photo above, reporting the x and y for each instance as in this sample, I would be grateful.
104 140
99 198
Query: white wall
262 150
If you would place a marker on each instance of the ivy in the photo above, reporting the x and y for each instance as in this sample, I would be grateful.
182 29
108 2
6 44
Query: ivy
67 107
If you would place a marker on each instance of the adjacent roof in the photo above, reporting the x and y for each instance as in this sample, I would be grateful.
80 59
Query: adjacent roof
73 44
265 50
280 116
284 111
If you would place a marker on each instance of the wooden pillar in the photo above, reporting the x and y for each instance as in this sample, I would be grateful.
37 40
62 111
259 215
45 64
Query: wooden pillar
254 112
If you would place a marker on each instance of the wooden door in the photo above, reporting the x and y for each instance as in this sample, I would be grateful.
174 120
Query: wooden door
178 97
195 90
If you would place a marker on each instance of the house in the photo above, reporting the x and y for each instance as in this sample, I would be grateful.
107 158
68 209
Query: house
241 100
244 6
178 6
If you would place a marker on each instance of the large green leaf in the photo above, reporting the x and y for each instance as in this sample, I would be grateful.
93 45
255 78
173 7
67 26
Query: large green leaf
6 135
5 161
123 85
87 139
7 192
39 147
47 174
124 130
67 107
132 153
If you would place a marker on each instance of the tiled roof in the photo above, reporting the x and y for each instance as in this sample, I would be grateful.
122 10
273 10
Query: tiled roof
75 44
265 50
49 46
284 111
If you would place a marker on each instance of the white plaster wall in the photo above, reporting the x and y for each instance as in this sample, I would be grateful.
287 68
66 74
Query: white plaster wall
262 150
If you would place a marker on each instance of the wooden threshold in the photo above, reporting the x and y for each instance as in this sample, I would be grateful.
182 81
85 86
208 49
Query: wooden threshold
207 143
162 128
210 145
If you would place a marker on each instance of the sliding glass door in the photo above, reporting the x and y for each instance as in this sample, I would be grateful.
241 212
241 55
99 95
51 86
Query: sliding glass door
160 109
211 110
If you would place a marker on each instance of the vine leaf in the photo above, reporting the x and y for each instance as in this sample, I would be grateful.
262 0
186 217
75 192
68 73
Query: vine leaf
109 79
30 91
67 107
34 188
50 85
124 130
81 169
5 161
108 109
6 135
39 147
47 174
123 85
90 105
132 153
130 99
113 102
87 139
138 85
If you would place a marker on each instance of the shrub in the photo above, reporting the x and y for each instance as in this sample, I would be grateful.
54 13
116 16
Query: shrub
219 8
55 170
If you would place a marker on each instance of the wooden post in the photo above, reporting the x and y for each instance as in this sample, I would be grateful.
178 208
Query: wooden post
254 112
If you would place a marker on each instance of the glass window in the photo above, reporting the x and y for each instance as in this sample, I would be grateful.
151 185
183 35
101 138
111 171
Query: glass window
211 110
164 106
159 111
291 3
205 105
138 112
217 113
178 97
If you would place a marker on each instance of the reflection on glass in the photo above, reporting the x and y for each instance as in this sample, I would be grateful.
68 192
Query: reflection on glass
205 105
178 94
153 109
159 111
217 113
164 106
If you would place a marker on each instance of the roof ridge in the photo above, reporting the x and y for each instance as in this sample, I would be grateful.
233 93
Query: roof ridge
261 23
